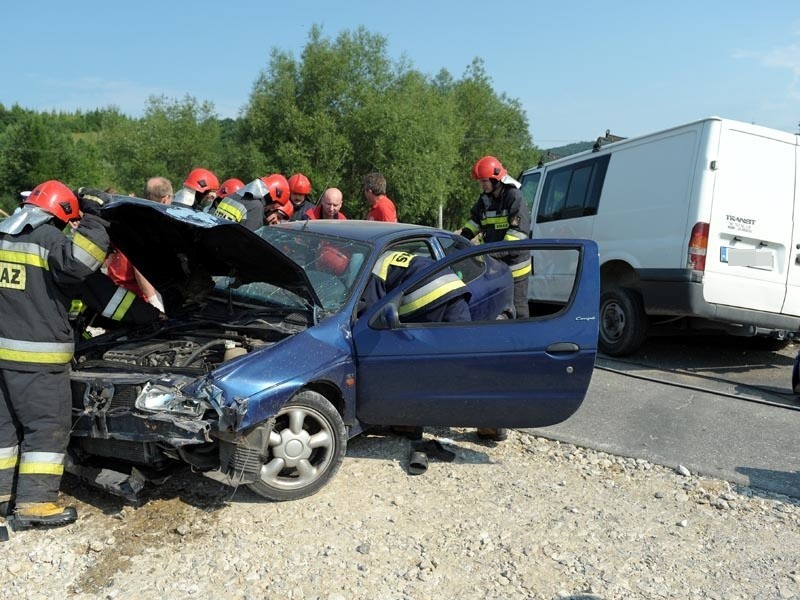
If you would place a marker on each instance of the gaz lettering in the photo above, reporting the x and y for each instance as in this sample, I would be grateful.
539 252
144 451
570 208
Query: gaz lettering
740 223
12 276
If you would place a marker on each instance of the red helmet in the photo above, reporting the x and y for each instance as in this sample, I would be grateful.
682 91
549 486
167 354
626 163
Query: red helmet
488 167
56 198
287 209
332 260
278 188
299 184
201 180
229 186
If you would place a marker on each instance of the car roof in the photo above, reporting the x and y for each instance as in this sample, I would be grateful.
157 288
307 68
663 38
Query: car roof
363 231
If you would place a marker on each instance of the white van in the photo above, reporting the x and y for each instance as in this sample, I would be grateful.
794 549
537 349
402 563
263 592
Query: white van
696 227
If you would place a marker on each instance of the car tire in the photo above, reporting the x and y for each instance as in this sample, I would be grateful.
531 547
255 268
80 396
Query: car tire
623 323
305 450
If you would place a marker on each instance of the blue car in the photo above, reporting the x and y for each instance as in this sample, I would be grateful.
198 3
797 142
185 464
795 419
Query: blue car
269 361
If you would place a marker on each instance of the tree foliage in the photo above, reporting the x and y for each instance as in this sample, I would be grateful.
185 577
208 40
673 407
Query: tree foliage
341 110
172 138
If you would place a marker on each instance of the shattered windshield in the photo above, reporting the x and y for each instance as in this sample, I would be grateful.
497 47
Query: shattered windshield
332 265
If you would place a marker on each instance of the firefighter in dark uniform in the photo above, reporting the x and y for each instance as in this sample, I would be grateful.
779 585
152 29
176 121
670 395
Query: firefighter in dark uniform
443 298
38 266
501 214
299 190
245 206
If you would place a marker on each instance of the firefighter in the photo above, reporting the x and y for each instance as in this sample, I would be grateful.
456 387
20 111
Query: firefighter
226 188
245 206
36 343
501 214
299 189
278 206
440 299
199 189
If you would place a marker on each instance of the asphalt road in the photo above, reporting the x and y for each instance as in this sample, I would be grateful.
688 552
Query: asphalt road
713 405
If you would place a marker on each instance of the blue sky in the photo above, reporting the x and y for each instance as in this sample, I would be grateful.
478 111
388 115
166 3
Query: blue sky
577 67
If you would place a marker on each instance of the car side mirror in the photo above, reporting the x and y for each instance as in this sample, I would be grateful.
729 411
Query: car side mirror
390 317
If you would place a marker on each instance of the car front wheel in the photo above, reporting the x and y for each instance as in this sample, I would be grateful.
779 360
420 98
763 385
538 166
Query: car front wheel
305 450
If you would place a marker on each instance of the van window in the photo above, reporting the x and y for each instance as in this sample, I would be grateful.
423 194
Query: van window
530 183
573 191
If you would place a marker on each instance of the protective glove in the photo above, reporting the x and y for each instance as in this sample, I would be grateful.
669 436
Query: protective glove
91 200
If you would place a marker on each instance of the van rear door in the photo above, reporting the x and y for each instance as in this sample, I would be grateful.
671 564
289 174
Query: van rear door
791 306
750 232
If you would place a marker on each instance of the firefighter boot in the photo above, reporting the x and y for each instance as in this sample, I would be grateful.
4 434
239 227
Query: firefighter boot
491 433
48 514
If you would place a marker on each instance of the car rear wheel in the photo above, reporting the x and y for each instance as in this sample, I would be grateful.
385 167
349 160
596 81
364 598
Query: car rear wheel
623 323
305 450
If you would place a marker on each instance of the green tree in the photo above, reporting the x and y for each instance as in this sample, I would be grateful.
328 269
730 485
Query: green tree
33 151
411 134
172 138
493 124
345 109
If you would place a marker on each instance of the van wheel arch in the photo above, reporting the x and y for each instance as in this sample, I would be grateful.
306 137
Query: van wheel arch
617 273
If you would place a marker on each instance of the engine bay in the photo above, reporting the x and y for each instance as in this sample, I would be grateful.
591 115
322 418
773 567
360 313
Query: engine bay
194 345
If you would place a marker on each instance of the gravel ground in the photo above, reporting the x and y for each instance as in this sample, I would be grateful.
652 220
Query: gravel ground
526 518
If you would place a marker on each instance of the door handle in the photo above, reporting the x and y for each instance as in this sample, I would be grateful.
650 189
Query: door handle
562 348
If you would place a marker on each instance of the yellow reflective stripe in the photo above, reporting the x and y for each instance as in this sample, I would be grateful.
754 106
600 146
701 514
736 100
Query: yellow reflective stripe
123 306
9 451
8 463
42 463
230 211
396 259
50 358
36 468
88 246
119 304
521 272
24 258
9 457
514 235
434 295
501 220
472 226
36 352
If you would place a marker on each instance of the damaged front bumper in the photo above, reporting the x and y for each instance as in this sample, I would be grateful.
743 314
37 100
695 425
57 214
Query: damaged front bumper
109 408
131 419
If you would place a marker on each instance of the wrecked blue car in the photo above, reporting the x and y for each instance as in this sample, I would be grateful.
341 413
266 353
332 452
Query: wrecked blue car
268 362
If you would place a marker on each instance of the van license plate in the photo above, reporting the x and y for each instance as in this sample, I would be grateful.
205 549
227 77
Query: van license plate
746 257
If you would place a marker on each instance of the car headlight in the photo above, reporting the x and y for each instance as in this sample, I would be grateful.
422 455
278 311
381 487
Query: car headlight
166 398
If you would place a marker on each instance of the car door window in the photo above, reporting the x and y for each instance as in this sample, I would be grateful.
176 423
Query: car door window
415 247
468 269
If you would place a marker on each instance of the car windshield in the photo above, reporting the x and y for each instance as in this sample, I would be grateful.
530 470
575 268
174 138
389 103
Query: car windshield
332 265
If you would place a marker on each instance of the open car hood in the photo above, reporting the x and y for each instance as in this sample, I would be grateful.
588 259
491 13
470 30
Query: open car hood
174 246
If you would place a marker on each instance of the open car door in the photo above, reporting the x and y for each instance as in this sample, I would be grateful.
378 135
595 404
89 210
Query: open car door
529 372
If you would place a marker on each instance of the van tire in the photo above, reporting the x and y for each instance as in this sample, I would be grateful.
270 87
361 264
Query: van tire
623 323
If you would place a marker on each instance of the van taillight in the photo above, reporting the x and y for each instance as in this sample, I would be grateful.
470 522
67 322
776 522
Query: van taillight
698 244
